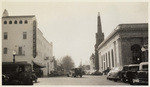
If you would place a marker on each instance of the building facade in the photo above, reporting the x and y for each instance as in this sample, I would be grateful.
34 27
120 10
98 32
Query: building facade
124 46
21 36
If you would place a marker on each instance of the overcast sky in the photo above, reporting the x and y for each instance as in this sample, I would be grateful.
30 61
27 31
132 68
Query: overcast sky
71 26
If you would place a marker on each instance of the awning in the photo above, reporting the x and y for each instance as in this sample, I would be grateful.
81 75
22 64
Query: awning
38 64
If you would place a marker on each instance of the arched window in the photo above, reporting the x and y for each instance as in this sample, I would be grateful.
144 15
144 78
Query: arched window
136 53
20 22
25 21
5 22
10 22
15 22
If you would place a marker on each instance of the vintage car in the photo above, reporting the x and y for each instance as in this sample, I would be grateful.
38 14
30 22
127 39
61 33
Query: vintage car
19 73
141 76
114 74
128 72
74 72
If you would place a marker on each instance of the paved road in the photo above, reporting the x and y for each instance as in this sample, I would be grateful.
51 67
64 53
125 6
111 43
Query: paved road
85 80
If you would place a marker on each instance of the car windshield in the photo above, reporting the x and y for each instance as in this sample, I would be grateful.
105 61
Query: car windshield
134 68
145 67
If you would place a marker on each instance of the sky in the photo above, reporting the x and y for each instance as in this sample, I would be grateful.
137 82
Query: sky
71 26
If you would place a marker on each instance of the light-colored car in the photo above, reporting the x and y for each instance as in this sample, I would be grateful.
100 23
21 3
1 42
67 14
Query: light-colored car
114 73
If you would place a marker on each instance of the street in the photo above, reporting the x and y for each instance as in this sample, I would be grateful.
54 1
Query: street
85 80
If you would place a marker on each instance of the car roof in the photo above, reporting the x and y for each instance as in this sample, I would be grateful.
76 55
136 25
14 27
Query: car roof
131 65
144 63
14 64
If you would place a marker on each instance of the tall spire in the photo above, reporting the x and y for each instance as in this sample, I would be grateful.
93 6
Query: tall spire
99 27
99 40
5 13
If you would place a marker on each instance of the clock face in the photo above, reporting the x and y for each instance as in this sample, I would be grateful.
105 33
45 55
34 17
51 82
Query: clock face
34 39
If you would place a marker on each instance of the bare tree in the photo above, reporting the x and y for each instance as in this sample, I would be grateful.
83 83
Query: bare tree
67 63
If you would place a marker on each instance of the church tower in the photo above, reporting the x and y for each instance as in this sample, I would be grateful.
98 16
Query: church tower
99 40
5 13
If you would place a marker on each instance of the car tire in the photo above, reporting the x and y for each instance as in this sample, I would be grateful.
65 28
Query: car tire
36 80
131 81
115 80
123 80
30 82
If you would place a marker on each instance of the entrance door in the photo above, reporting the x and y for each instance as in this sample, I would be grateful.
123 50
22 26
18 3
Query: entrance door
136 53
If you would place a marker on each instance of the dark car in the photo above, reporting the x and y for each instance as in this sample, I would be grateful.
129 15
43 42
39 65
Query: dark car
74 72
16 73
128 72
141 77
114 74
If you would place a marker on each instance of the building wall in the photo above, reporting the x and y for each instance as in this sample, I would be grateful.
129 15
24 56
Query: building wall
92 64
109 54
44 52
15 38
128 40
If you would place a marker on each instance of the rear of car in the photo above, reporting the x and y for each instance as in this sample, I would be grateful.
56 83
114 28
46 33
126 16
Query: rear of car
16 74
141 76
128 72
114 74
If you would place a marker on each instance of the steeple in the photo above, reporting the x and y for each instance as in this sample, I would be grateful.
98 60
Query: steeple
5 13
99 40
99 27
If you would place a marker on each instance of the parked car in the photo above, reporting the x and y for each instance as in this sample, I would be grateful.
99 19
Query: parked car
74 72
97 73
128 72
114 74
16 73
141 76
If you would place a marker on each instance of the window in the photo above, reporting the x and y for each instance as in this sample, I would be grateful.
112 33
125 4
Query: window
5 50
5 35
112 55
15 22
20 50
20 21
109 59
25 21
24 35
5 22
10 22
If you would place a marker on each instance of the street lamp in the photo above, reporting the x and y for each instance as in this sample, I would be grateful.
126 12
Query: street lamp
14 54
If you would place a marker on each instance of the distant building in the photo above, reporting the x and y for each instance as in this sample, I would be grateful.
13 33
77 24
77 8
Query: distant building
21 35
92 64
127 44
99 40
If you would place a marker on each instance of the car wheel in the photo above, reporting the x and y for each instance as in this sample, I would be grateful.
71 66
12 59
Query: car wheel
131 82
36 80
30 82
115 80
124 80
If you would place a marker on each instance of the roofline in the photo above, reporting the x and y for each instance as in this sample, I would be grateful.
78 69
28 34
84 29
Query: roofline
117 29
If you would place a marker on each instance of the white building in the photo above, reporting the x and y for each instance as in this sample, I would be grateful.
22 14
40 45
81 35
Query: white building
123 46
21 35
